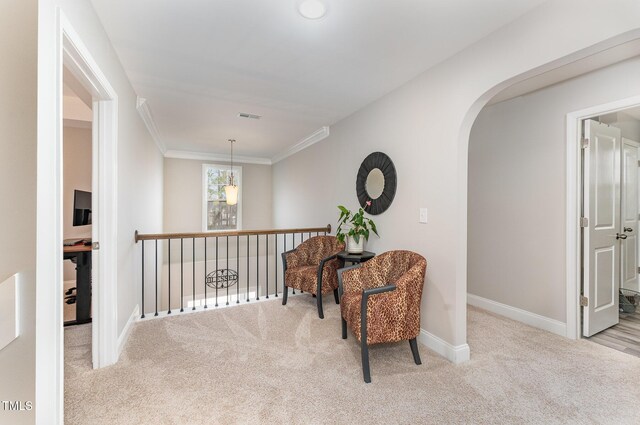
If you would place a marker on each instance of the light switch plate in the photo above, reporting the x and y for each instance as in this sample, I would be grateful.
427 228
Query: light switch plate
423 215
9 311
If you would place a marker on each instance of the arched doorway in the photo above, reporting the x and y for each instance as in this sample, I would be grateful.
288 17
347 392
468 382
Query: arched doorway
523 182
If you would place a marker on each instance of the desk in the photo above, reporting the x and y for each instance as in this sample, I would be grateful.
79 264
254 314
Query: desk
356 258
80 255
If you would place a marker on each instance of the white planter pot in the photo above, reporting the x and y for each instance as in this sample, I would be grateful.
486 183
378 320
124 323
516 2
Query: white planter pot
354 247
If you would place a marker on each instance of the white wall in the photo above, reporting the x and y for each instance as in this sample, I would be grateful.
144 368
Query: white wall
424 127
76 176
183 195
517 200
18 48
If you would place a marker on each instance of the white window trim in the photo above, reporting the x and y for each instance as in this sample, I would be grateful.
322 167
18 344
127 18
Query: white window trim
237 170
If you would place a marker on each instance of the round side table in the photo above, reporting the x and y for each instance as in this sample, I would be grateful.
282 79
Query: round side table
356 258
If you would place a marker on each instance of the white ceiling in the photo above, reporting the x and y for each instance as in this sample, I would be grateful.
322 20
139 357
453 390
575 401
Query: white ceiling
201 62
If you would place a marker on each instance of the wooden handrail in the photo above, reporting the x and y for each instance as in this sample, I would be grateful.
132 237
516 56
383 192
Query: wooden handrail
161 236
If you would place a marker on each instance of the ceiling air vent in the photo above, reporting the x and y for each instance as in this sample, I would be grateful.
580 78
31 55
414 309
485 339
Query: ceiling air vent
250 116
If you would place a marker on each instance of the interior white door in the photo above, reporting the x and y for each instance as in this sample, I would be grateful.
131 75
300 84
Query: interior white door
629 207
602 243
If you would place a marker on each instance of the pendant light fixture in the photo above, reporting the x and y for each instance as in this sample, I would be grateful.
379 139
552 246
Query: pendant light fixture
231 190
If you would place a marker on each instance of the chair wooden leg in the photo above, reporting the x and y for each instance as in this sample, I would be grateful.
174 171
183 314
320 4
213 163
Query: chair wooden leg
414 349
285 294
319 300
336 296
365 361
344 329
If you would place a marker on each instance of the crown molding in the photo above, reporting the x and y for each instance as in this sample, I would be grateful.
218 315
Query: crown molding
203 156
143 109
315 137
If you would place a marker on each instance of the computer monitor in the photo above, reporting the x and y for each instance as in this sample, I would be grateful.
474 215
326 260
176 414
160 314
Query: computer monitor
81 208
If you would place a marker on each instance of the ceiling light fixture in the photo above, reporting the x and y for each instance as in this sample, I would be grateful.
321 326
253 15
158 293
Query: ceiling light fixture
231 190
312 9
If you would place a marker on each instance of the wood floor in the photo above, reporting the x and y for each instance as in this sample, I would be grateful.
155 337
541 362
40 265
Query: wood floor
625 336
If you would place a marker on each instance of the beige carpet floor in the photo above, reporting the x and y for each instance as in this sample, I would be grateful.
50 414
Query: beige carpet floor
265 363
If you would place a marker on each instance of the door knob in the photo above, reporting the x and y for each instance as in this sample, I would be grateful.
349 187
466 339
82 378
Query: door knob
621 236
628 229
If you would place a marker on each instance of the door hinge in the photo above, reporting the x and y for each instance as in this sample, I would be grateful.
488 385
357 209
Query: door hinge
638 270
584 222
584 143
639 163
95 246
584 301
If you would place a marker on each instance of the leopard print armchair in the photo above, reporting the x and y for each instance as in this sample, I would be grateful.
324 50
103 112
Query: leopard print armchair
312 267
380 301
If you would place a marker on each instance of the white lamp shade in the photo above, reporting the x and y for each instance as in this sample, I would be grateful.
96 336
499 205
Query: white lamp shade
231 192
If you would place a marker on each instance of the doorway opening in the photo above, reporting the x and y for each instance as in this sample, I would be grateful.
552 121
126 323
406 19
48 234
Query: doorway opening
610 292
72 56
524 193
79 64
77 193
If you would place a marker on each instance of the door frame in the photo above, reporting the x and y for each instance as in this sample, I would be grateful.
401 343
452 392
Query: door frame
71 52
636 145
574 205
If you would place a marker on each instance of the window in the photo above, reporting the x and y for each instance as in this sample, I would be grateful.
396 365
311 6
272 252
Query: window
216 214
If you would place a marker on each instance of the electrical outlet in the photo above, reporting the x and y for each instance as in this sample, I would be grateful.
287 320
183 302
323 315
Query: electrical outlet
423 215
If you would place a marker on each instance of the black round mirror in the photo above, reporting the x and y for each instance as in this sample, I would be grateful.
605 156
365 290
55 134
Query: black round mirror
376 183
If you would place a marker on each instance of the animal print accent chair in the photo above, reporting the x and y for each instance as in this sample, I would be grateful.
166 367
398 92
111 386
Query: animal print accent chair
391 316
312 268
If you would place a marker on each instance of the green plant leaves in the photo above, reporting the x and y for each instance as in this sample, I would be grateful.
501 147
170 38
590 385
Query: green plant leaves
357 223
373 227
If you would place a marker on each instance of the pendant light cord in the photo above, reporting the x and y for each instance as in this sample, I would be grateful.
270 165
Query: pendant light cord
231 141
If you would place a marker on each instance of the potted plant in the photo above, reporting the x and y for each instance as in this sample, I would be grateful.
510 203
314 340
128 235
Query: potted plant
358 227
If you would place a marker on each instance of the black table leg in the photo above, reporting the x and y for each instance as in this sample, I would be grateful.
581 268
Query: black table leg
83 284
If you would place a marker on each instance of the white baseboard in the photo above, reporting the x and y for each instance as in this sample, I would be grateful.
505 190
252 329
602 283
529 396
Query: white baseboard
124 336
526 317
454 353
